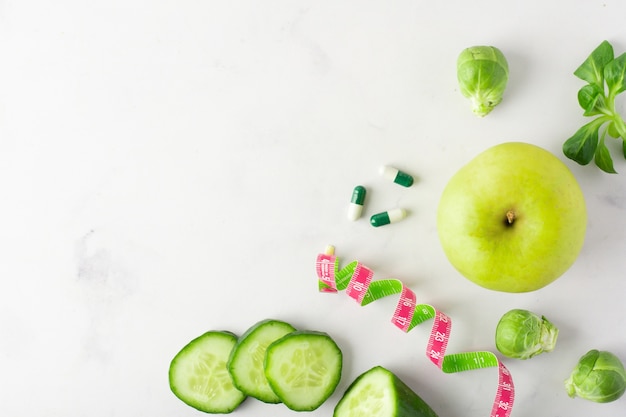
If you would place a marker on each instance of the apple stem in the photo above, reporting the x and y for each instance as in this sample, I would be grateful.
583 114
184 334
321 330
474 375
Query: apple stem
510 216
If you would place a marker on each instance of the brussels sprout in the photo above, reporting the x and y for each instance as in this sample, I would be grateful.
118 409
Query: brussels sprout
483 73
522 334
599 376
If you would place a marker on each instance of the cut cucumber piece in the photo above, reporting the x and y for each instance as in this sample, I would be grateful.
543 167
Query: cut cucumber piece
199 377
380 393
247 360
303 368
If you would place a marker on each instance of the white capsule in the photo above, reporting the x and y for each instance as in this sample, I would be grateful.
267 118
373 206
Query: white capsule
397 176
388 217
355 209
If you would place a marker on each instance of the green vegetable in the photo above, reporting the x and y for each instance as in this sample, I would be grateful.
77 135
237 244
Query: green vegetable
198 375
380 393
303 368
606 78
522 334
599 376
271 361
483 73
246 362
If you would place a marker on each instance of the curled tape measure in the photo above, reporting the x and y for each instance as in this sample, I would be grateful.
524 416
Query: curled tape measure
356 279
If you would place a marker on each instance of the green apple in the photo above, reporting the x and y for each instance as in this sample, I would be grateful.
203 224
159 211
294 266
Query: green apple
513 219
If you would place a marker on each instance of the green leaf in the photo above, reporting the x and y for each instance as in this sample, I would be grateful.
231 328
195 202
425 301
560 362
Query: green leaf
624 147
603 158
582 146
591 99
615 75
592 70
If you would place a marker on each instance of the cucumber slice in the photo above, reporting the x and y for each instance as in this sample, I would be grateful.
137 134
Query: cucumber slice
380 393
198 375
303 368
246 362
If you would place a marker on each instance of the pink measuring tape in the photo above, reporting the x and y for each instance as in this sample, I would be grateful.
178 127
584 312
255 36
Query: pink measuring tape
357 280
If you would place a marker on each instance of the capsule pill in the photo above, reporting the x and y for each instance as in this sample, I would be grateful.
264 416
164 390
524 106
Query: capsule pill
397 176
387 217
356 203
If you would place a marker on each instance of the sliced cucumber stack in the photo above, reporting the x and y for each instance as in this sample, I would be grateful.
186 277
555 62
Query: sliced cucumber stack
271 361
247 359
380 393
199 377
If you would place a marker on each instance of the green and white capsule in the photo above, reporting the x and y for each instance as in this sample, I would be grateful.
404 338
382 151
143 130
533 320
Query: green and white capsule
397 176
387 217
356 203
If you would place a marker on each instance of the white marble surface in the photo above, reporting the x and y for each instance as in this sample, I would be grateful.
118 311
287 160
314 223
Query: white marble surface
172 167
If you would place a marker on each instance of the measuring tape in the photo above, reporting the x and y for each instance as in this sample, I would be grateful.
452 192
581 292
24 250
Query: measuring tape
357 280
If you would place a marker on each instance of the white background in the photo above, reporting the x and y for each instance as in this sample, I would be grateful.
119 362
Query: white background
173 167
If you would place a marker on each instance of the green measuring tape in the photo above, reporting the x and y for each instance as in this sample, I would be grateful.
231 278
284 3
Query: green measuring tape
357 280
